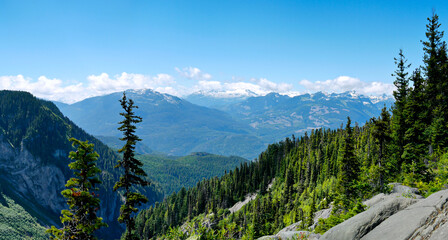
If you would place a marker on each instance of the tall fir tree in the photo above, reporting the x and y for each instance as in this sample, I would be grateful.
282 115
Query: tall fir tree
436 72
349 166
415 139
382 133
81 220
132 167
431 59
400 94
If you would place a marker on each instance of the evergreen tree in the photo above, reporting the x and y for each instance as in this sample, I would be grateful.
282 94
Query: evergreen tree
436 67
81 220
415 140
349 166
432 48
402 84
381 132
133 172
310 218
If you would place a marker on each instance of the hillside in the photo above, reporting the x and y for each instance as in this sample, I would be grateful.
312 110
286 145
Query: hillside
33 160
174 173
16 223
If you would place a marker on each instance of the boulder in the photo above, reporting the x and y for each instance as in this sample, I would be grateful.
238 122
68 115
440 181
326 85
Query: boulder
399 188
356 227
426 219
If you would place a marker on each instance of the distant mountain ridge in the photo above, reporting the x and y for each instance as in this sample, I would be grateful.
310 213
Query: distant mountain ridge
170 124
275 116
240 125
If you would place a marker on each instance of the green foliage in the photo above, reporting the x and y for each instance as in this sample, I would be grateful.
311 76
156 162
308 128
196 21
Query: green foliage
16 223
132 167
81 220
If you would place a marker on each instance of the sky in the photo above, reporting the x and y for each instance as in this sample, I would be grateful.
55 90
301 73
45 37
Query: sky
70 50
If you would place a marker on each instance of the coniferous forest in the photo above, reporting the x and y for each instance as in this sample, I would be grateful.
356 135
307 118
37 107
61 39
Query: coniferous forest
299 176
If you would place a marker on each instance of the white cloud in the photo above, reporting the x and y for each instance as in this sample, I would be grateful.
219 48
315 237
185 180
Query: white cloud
53 89
193 73
345 83
96 85
275 87
255 87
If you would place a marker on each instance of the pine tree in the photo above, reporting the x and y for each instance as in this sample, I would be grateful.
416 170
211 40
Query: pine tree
431 59
81 220
415 140
381 133
133 172
402 84
349 166
439 126
436 67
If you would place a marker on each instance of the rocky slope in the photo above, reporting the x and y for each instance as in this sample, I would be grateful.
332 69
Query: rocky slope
402 214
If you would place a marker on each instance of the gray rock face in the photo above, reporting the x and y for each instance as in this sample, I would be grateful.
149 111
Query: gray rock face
31 178
381 208
440 233
292 227
427 219
240 204
291 235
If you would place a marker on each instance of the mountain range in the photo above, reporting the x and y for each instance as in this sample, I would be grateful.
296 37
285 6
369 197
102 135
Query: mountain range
240 125
170 124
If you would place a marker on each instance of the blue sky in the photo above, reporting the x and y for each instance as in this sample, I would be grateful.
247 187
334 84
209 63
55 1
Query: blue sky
60 48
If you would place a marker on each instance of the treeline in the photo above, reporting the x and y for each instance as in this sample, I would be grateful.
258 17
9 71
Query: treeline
406 143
